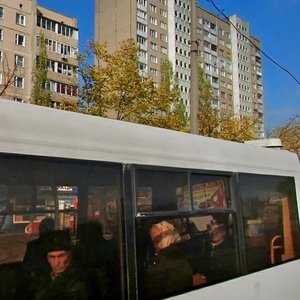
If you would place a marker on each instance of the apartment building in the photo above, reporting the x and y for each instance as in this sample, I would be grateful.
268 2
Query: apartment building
22 23
227 51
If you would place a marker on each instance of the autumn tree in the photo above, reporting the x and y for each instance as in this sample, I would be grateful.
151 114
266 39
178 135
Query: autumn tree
213 124
237 129
113 87
40 93
9 72
167 109
289 133
208 116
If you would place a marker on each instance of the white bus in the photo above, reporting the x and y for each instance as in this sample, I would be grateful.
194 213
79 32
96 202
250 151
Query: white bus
159 195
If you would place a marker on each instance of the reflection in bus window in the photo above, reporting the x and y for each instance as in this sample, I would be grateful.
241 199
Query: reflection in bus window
270 215
67 191
161 191
209 191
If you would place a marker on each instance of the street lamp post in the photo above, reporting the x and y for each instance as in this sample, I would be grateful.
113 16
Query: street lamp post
194 71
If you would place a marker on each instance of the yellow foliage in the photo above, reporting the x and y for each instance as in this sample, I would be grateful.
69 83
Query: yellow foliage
289 133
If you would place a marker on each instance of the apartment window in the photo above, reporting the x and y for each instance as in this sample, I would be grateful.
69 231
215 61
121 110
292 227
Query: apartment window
19 82
164 37
163 13
1 34
141 40
163 25
164 50
1 12
142 14
153 33
17 99
153 59
153 8
141 27
142 2
153 46
1 78
153 72
143 54
142 67
20 40
163 2
153 20
19 60
20 19
1 56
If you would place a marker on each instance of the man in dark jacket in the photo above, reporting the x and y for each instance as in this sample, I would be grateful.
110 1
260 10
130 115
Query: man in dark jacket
66 280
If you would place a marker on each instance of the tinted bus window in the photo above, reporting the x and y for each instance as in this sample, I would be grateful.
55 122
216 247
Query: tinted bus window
74 194
270 220
162 191
179 254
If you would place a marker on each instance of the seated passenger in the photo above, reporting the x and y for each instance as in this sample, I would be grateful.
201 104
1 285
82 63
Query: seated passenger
35 255
220 261
66 280
170 271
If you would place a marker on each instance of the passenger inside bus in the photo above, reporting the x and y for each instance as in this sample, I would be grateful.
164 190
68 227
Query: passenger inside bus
215 260
35 255
67 279
170 271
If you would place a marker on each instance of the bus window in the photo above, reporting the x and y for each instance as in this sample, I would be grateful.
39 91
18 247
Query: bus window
179 254
162 191
32 189
270 220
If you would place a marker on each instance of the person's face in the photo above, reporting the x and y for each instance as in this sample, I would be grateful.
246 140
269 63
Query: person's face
216 233
59 260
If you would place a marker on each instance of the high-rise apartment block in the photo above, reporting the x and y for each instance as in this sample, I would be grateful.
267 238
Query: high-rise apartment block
22 23
228 53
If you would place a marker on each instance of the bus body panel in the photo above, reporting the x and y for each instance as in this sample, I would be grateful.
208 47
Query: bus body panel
31 130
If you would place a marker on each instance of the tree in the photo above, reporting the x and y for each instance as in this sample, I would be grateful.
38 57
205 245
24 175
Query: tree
208 116
113 87
40 93
8 74
166 109
212 124
237 129
289 133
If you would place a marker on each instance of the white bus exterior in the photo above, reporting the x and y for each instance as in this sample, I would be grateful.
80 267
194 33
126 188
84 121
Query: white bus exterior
35 132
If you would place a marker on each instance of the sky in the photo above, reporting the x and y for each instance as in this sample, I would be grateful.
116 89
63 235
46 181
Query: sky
274 22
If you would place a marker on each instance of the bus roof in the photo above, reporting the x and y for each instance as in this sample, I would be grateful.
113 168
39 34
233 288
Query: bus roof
35 130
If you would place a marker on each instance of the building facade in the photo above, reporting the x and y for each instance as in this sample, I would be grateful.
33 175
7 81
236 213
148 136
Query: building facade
22 23
228 53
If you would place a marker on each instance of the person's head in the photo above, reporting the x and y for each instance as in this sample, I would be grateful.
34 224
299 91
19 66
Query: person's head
163 234
46 225
59 251
217 233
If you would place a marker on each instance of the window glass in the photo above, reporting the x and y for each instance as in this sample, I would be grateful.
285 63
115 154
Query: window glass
31 190
161 191
210 191
270 220
179 254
